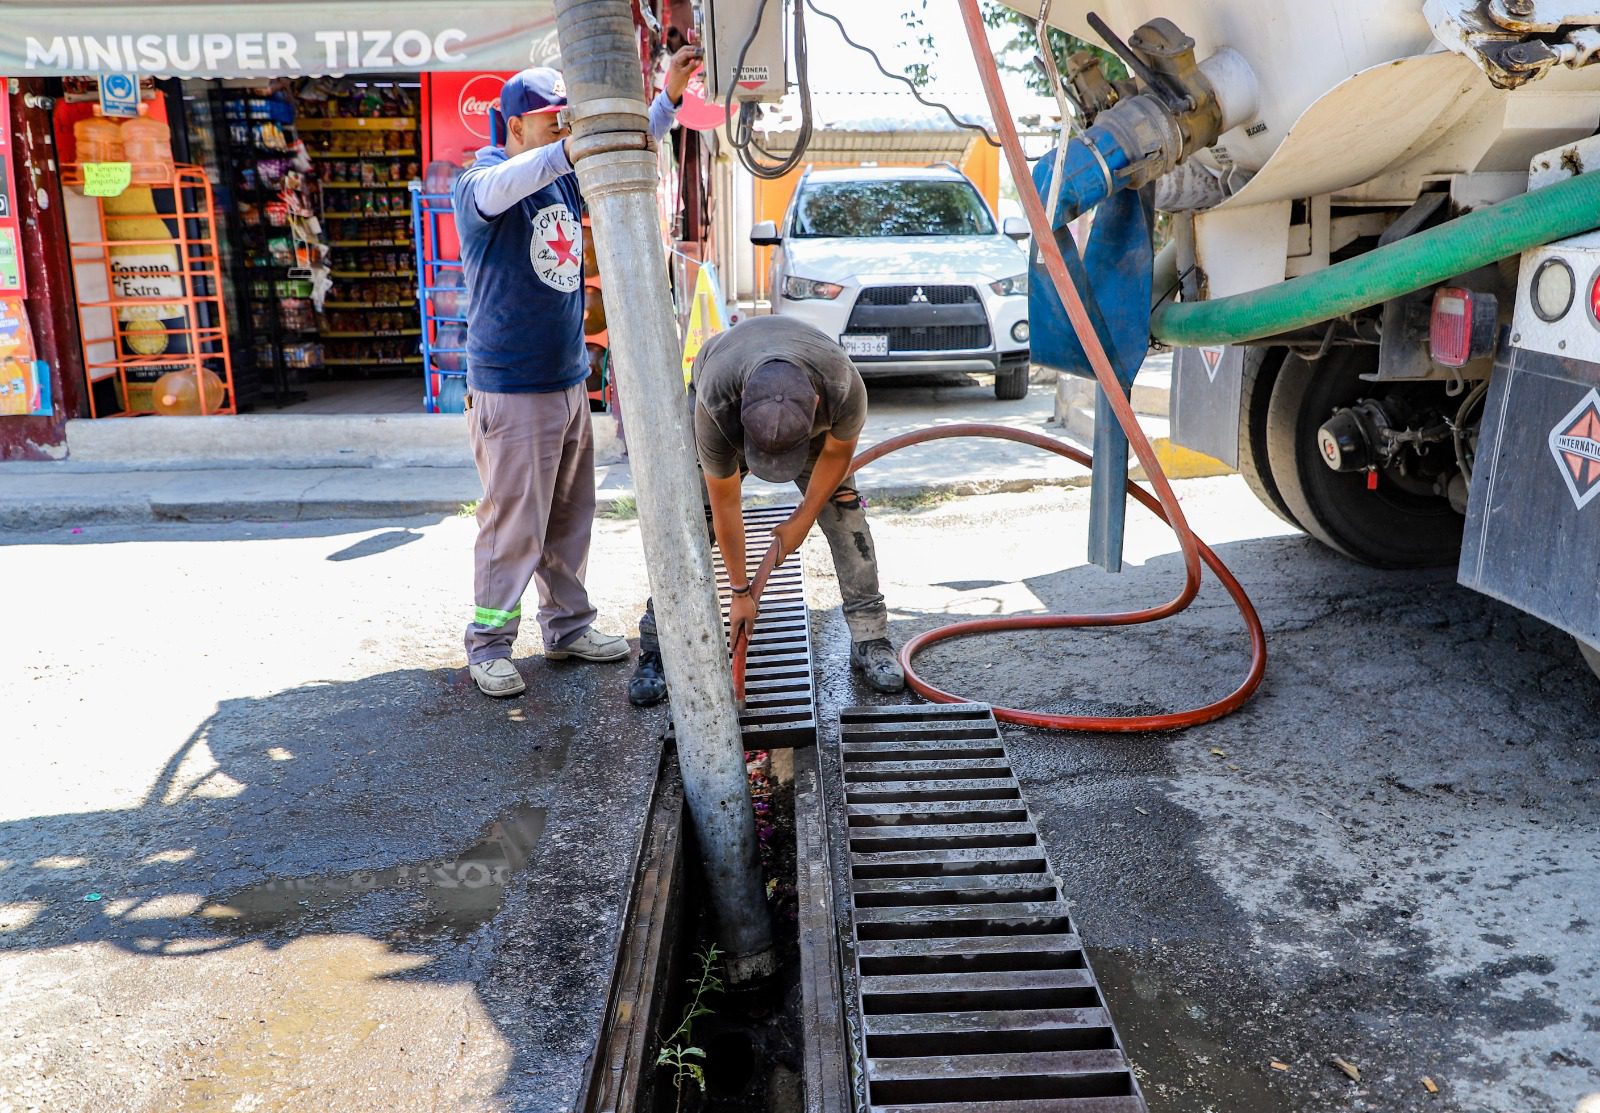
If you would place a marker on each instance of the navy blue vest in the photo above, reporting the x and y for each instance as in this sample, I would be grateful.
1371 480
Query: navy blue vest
525 273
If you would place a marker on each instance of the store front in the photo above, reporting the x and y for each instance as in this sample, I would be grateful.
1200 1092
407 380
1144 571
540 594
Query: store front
275 243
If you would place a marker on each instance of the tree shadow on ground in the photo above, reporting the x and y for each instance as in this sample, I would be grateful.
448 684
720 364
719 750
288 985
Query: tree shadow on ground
486 845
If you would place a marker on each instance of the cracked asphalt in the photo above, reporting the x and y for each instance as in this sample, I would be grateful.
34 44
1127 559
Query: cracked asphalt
256 745
1391 855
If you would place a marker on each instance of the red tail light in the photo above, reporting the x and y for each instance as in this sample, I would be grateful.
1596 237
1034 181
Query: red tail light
1462 326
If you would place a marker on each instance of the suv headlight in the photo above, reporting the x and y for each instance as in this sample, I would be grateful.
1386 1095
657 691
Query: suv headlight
806 289
1016 284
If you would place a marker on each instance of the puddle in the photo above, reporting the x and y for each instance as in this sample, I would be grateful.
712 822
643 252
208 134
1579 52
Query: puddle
1187 1055
450 895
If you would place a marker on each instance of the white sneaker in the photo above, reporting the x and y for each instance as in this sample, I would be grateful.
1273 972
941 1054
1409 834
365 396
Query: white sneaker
591 645
498 678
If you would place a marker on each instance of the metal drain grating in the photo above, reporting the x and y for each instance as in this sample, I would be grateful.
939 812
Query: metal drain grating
780 706
973 989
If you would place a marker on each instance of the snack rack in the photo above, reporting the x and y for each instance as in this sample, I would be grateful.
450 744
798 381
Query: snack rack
162 302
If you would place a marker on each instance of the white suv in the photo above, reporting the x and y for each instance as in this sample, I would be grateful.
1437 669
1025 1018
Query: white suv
908 269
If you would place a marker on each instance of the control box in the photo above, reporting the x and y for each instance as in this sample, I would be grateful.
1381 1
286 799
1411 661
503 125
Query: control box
725 27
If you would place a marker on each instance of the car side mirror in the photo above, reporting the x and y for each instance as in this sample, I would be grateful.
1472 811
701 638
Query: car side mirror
764 233
1016 228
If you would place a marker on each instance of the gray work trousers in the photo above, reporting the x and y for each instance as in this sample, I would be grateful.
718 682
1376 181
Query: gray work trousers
855 561
535 456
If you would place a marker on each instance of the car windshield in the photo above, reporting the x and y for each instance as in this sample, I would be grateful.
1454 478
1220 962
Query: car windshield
891 208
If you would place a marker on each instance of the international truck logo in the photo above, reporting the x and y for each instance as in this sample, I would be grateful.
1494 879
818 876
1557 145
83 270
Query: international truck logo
1575 443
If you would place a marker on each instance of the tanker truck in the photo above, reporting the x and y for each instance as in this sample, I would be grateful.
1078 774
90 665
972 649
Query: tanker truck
1383 277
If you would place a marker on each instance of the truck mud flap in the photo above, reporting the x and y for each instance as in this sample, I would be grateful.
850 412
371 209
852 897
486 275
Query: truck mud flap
1533 516
1206 386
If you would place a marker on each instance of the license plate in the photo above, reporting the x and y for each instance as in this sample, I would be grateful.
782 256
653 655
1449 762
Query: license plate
865 344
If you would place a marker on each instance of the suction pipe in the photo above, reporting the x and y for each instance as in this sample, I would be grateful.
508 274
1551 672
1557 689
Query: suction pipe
618 174
1414 263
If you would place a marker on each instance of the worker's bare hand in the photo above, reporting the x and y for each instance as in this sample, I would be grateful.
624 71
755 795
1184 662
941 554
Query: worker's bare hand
680 68
788 536
741 616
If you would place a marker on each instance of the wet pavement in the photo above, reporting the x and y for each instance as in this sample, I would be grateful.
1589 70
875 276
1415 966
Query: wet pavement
264 847
1391 856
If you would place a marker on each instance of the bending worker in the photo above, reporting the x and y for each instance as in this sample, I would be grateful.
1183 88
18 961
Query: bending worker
518 213
777 398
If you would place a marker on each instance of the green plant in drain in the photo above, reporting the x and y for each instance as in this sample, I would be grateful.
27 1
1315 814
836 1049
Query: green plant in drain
678 1052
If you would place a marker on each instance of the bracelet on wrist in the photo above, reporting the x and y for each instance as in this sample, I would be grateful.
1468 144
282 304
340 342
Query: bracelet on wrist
745 590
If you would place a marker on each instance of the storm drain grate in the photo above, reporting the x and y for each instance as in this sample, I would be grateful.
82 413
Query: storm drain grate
780 706
973 988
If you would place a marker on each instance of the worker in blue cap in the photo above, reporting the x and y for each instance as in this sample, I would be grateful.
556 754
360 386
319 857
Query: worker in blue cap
518 214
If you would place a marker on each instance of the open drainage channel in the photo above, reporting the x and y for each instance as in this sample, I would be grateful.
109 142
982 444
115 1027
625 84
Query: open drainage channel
938 964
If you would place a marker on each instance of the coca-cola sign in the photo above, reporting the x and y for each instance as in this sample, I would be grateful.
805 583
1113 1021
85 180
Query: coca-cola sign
476 98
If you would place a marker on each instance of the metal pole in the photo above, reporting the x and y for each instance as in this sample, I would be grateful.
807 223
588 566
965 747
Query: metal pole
618 175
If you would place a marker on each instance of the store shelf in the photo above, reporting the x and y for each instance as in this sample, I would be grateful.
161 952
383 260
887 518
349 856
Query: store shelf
370 305
374 274
377 332
366 185
366 216
370 243
380 123
372 362
362 156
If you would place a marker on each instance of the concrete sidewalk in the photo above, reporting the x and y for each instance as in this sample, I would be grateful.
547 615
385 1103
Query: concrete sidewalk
417 465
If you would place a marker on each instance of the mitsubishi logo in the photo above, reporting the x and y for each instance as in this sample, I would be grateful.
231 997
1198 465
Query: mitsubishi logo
920 295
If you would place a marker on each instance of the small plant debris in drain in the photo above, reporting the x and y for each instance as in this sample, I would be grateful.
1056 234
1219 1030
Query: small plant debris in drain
678 1050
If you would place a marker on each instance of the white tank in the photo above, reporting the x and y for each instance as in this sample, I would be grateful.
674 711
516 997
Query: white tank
1359 98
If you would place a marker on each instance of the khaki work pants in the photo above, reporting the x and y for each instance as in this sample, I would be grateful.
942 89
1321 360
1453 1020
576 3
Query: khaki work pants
535 456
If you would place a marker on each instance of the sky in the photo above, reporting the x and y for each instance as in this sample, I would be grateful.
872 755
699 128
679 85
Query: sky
836 67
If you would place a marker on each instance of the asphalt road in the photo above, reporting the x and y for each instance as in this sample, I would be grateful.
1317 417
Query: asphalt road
264 848
1394 858
1392 855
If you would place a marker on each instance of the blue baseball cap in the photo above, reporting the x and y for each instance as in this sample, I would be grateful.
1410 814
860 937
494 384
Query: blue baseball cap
540 89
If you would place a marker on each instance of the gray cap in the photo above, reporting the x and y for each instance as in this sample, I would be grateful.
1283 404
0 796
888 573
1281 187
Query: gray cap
777 411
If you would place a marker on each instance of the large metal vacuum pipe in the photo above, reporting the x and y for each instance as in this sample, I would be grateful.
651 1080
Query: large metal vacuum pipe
618 175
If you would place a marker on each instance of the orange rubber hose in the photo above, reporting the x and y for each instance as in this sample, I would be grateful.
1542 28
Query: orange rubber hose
1164 503
1102 723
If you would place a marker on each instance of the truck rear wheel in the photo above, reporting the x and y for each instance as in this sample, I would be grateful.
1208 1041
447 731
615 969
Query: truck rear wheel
1390 526
1260 372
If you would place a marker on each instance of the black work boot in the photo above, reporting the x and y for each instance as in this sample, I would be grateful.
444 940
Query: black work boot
648 686
877 662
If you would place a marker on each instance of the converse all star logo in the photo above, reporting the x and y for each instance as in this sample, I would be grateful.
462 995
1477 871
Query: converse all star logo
1575 444
556 248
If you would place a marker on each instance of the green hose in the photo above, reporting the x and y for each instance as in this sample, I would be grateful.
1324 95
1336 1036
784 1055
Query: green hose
1425 259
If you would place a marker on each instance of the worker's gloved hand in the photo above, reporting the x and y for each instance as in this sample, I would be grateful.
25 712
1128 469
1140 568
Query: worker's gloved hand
788 536
741 616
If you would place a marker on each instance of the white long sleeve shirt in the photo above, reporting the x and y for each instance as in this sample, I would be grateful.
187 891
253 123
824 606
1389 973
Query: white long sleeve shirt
496 188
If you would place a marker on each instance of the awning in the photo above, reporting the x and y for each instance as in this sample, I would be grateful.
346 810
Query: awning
271 38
